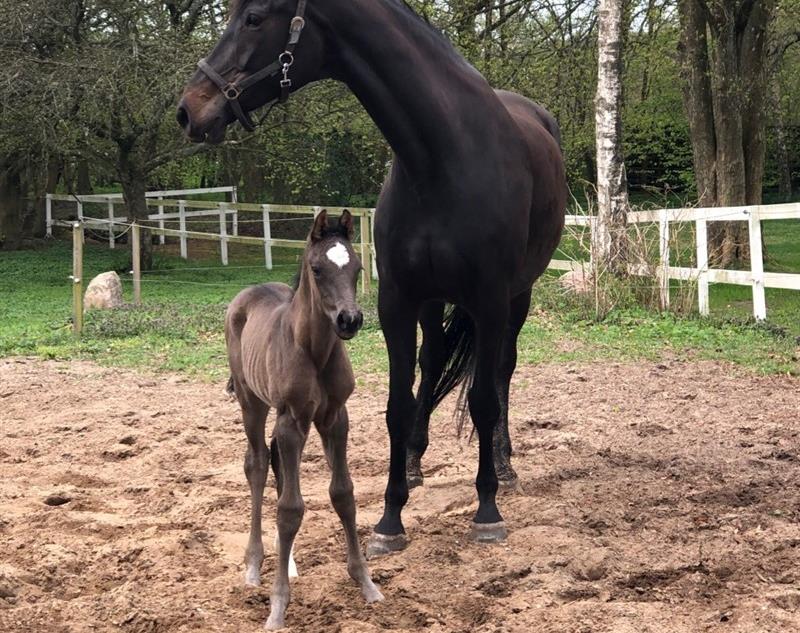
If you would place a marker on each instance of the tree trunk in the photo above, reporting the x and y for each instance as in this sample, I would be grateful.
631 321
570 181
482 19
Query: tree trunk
134 188
693 51
612 186
784 166
84 184
11 206
724 101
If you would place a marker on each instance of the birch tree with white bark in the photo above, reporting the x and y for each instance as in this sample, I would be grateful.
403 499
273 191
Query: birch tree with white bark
612 185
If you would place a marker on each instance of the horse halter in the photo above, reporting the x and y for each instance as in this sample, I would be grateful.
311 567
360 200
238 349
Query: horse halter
234 89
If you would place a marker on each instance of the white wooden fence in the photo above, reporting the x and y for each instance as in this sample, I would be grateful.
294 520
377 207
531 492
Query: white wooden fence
756 277
112 199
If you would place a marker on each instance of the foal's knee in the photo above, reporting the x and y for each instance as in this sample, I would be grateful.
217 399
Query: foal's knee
290 516
256 462
342 496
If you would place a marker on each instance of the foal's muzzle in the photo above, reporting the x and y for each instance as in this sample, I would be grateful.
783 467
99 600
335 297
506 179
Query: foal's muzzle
349 323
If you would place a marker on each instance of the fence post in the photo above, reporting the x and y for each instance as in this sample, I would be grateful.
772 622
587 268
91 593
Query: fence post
162 239
77 279
663 251
111 236
267 237
80 211
757 265
372 243
223 232
701 229
182 226
366 252
48 213
136 256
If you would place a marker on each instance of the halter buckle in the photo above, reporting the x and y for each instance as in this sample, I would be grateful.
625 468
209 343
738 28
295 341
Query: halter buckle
232 92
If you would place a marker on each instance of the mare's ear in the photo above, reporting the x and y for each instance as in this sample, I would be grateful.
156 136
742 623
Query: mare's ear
346 225
320 226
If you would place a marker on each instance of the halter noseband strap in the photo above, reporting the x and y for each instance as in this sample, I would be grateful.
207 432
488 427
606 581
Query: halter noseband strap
234 89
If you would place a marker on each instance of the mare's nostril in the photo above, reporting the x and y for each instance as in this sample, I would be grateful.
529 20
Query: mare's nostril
182 117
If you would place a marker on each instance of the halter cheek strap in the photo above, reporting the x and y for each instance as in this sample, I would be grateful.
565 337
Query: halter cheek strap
234 89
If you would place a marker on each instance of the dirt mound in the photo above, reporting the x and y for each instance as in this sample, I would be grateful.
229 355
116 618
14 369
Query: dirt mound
653 497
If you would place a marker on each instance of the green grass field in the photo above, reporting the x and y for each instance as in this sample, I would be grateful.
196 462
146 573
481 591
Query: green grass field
179 326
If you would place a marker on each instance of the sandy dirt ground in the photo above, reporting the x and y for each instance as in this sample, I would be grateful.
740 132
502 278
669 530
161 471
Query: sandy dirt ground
654 497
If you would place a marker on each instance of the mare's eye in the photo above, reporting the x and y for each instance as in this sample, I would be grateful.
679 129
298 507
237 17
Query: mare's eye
317 271
253 19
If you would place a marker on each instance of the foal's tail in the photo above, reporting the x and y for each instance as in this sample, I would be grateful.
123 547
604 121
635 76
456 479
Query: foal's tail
459 338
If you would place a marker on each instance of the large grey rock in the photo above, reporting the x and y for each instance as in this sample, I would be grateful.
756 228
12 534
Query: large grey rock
104 292
579 281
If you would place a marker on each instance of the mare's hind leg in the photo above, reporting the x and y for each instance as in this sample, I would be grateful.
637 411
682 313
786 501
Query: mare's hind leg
290 435
508 363
256 463
432 359
334 439
399 323
484 407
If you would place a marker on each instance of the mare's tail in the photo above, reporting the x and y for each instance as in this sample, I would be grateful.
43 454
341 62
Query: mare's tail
459 337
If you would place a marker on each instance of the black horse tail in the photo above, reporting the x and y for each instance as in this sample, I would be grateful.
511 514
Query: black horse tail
230 388
459 337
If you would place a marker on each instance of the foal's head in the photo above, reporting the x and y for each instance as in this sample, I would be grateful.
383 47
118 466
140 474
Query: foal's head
331 268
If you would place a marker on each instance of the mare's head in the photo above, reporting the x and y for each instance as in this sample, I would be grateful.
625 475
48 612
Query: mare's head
257 38
331 268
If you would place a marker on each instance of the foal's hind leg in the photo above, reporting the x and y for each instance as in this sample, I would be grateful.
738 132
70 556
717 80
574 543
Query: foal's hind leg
432 359
290 435
256 463
334 438
508 362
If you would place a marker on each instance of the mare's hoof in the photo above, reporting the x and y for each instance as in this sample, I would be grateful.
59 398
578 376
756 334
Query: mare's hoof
489 532
413 472
509 481
414 480
384 544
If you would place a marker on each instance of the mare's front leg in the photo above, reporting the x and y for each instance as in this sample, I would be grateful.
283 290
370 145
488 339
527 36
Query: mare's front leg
334 439
484 407
256 463
399 323
290 436
432 360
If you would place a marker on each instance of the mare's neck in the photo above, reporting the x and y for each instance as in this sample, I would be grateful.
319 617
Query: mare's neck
312 328
419 91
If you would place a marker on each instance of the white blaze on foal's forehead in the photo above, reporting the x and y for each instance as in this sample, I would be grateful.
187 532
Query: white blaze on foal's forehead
338 255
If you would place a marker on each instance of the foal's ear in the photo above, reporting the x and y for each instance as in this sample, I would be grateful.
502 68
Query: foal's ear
320 226
346 225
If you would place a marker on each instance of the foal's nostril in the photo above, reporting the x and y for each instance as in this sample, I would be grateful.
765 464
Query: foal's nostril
182 117
359 320
341 321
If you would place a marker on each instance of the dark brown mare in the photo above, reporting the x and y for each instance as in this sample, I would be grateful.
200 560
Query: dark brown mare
470 214
285 351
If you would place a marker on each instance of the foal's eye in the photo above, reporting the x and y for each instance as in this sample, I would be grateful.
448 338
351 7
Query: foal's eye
253 19
317 271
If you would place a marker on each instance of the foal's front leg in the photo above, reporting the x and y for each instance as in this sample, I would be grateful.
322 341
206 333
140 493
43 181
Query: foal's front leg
334 438
290 435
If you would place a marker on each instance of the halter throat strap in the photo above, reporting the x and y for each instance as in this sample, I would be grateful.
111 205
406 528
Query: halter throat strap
233 89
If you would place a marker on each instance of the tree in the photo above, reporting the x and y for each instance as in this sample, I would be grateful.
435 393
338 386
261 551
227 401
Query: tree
612 187
724 67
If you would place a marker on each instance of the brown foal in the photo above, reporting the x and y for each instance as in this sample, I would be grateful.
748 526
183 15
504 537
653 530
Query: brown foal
285 351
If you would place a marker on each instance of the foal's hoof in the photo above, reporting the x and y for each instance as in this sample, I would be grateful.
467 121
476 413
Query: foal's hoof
489 532
384 544
413 472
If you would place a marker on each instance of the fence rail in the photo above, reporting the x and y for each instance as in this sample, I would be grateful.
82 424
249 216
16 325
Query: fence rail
756 277
701 274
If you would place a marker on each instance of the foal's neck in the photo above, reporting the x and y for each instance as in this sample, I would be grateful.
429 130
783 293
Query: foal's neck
425 98
312 328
